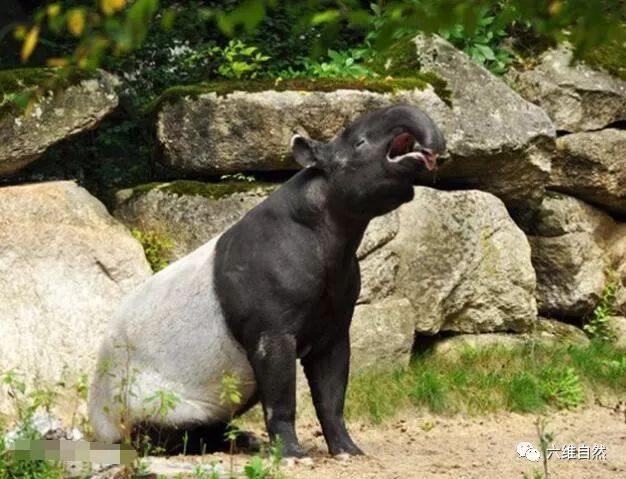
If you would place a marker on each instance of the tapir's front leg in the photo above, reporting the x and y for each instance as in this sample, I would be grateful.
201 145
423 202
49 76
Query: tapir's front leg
274 363
327 371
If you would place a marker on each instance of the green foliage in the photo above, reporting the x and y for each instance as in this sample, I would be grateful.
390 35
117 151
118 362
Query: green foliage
562 387
26 402
530 378
162 402
239 61
610 57
340 64
236 60
599 326
155 246
486 44
256 469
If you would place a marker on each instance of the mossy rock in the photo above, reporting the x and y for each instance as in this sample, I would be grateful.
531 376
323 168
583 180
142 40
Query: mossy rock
21 85
376 85
40 107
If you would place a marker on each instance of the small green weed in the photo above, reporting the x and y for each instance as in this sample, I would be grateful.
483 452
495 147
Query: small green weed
155 246
339 64
234 61
599 325
485 45
26 402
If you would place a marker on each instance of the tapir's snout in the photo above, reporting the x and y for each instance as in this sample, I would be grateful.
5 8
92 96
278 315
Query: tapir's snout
414 138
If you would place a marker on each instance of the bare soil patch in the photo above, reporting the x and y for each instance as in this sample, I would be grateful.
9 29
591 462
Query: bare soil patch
463 447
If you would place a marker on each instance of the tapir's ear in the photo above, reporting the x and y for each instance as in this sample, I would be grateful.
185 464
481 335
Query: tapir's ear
307 152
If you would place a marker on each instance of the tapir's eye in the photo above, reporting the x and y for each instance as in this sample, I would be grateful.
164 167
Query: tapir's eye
360 143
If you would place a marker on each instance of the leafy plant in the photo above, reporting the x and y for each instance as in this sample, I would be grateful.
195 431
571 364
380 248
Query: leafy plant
563 387
26 403
240 61
486 45
340 64
599 326
155 246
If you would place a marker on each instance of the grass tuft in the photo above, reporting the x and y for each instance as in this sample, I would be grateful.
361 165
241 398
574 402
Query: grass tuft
533 378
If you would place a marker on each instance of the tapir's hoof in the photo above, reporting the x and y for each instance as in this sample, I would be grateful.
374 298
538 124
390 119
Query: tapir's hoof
347 450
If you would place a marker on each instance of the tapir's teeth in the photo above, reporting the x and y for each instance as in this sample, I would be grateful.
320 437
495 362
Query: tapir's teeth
414 154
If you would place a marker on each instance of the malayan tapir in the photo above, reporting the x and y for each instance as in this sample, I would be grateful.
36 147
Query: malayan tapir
279 285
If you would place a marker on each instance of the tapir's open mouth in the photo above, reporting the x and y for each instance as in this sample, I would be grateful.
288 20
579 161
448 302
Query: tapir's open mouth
405 146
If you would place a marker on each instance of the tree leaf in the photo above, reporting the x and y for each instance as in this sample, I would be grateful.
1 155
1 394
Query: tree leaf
327 16
30 42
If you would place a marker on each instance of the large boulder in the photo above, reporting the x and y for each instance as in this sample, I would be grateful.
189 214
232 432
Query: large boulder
574 248
64 265
241 131
382 334
24 136
497 141
464 264
576 97
570 274
592 166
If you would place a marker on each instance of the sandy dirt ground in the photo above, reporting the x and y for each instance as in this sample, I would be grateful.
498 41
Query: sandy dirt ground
458 447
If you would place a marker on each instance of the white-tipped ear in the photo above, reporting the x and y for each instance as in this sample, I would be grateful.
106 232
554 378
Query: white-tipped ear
305 151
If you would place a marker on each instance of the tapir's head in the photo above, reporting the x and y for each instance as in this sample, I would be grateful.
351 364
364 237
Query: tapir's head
372 163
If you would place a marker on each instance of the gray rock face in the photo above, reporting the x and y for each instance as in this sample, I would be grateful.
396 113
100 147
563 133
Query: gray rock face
23 138
574 245
463 264
497 141
64 265
570 274
252 131
382 334
576 97
592 166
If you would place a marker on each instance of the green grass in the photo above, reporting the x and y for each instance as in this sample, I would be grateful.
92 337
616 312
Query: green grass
533 378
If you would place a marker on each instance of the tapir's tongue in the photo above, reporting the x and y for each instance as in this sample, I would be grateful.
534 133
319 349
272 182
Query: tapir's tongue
401 144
